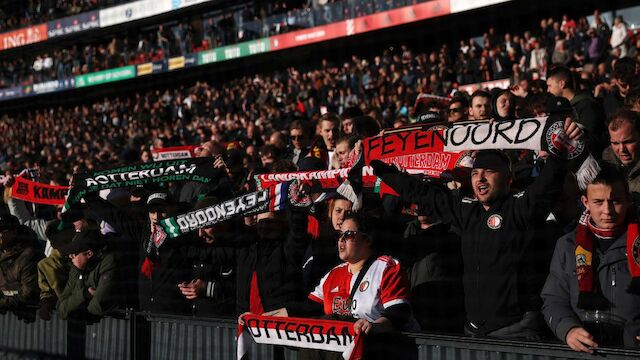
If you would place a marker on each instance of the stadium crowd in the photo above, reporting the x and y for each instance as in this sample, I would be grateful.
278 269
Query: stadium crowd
190 35
480 255
32 12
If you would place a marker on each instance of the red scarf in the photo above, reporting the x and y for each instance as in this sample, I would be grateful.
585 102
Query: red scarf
590 297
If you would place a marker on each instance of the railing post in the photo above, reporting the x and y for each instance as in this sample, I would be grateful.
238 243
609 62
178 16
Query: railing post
76 339
140 336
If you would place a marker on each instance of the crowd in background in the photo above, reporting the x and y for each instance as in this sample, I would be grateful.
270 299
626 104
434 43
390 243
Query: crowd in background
254 106
193 34
276 122
26 13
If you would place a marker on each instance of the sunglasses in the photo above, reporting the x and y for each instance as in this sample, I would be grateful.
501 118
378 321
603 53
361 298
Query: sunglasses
349 235
267 221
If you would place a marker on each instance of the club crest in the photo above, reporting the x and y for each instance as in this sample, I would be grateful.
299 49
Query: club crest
494 222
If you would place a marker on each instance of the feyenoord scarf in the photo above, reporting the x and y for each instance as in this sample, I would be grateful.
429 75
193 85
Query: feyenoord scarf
590 297
38 193
275 198
174 153
320 334
435 149
197 169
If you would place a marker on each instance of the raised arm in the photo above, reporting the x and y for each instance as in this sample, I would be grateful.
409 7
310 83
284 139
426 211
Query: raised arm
436 202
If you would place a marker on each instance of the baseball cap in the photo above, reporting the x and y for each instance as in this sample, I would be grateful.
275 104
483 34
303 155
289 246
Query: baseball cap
492 159
83 241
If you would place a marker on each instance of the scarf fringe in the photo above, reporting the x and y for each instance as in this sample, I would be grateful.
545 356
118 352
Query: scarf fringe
588 171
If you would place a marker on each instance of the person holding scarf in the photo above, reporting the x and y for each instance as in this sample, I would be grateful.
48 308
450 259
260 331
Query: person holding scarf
497 236
591 295
369 289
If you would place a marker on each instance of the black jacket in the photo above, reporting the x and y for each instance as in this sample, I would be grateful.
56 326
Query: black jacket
160 293
321 256
18 271
560 292
494 241
277 264
220 278
591 116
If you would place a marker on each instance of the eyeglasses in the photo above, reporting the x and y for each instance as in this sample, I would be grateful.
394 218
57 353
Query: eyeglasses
349 235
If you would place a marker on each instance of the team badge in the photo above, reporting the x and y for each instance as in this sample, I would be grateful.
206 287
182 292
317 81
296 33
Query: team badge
294 198
364 286
158 236
494 222
558 142
584 259
465 160
635 247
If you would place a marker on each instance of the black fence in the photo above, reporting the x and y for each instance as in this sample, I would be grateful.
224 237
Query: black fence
130 335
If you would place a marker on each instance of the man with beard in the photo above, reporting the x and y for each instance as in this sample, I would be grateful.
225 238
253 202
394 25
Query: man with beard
497 233
624 151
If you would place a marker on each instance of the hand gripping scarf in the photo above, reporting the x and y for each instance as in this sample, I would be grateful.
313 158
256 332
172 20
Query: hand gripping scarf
320 334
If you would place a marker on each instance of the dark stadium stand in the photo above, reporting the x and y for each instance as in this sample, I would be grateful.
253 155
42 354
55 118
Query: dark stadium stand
93 90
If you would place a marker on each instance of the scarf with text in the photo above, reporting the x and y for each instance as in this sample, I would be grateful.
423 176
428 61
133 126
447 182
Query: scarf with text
436 150
320 334
275 198
174 153
590 297
197 169
38 193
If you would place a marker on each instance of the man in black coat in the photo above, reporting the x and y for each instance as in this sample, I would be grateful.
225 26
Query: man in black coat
268 261
163 262
496 233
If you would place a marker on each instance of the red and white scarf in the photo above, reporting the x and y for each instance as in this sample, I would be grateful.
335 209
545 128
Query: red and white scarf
320 334
590 293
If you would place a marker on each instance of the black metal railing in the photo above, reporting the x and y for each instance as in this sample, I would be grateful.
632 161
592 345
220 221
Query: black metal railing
138 335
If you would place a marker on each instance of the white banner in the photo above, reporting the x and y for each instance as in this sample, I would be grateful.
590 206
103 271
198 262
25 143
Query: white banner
511 134
133 11
464 5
